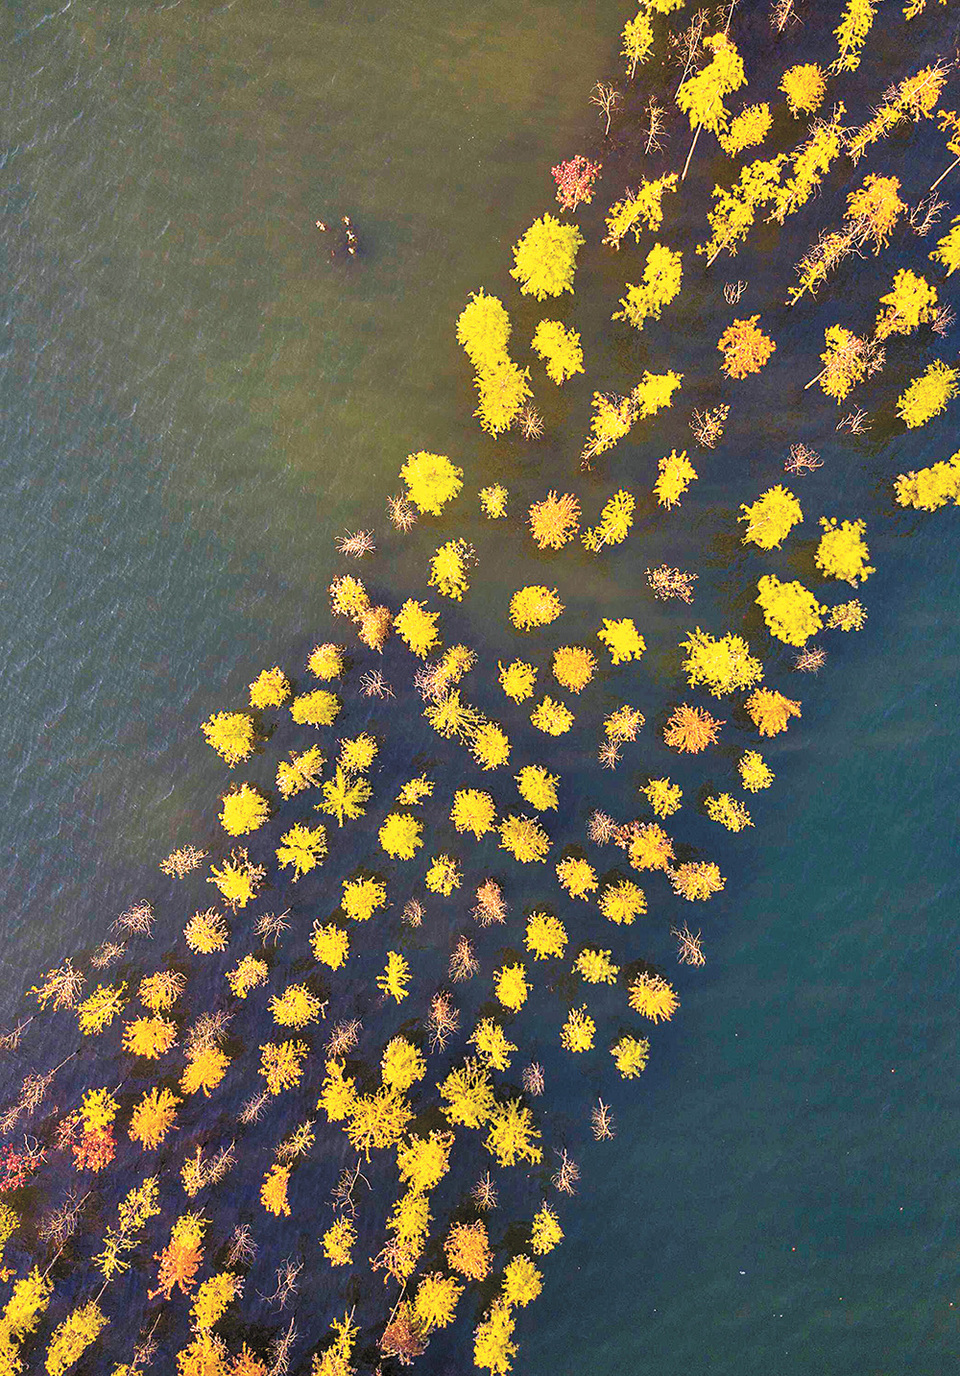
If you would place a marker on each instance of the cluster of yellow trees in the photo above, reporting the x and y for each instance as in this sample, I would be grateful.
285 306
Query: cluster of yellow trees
415 1110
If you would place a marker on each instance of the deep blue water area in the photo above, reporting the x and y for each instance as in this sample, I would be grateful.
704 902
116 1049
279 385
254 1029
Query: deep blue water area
194 402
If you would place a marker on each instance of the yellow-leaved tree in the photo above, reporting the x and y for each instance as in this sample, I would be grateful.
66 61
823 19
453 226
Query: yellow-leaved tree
545 257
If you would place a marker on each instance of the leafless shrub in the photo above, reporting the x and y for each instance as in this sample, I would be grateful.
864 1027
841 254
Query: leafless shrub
179 863
484 1193
802 460
607 100
707 426
343 1038
208 1030
856 423
531 422
254 1108
943 320
655 126
413 911
602 1122
286 1287
667 582
271 925
59 1226
342 1195
810 660
242 1249
925 214
491 906
532 1078
601 828
782 13
10 1041
358 544
298 1143
280 1351
442 1021
567 1173
402 513
609 754
138 920
689 950
374 685
732 293
463 960
106 953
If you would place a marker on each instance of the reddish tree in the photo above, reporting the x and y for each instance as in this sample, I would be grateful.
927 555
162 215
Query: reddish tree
575 179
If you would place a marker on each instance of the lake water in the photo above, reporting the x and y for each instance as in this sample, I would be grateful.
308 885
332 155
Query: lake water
195 402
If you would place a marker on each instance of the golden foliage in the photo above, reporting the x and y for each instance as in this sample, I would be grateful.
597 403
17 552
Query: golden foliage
71 1338
578 1032
362 898
577 876
396 976
303 848
249 974
538 787
512 1134
622 639
545 936
344 796
691 729
639 209
928 489
791 611
330 944
473 810
771 711
652 997
296 1007
149 1037
804 86
722 665
745 348
755 773
554 521
545 257
492 1045
676 473
231 734
630 1056
270 688
511 987
273 1191
728 811
432 481
327 661
554 718
524 838
701 95
316 708
468 1092
492 1349
238 879
99 1010
206 1067
443 875
206 932
663 796
662 276
842 552
622 902
401 835
338 1242
281 1064
560 350
927 396
595 966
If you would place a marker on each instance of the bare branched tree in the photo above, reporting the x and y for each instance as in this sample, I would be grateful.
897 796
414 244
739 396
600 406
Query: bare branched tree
271 926
242 1249
344 1037
463 960
802 460
402 513
689 950
442 1021
286 1287
602 1122
567 1173
607 100
533 1082
811 660
358 544
374 685
484 1193
138 920
601 828
280 1351
179 863
491 906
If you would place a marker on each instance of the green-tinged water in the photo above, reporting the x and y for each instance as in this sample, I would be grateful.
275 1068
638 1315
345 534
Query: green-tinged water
196 401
